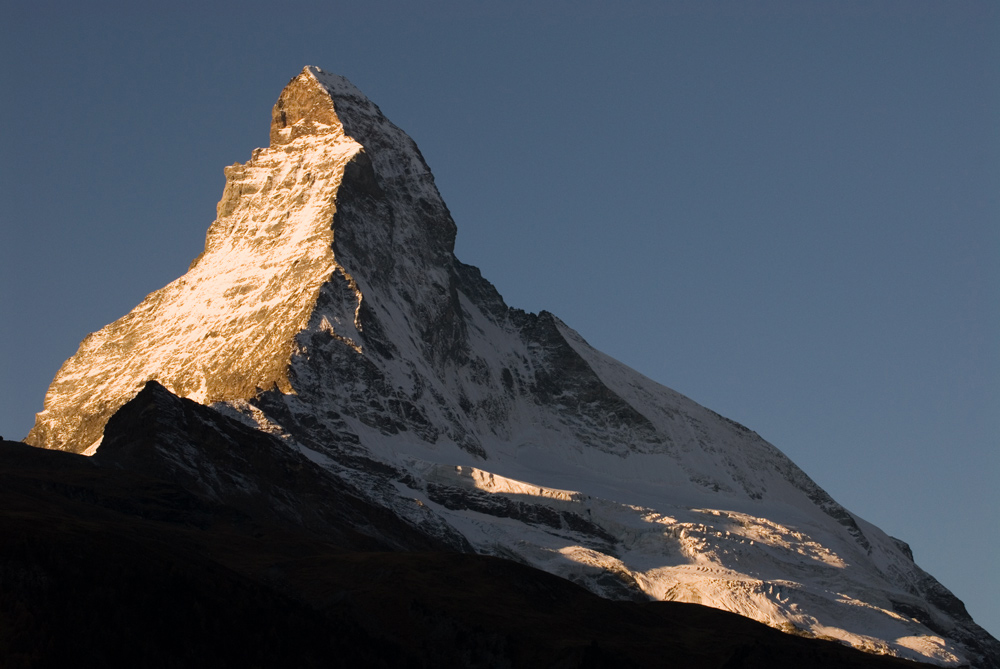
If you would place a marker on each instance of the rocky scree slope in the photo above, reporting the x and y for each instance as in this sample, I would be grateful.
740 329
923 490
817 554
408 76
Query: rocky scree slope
329 311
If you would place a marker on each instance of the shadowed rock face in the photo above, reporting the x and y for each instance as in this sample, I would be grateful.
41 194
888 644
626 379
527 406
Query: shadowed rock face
159 435
354 366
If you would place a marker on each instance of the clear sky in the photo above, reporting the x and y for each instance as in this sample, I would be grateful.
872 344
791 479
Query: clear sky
788 211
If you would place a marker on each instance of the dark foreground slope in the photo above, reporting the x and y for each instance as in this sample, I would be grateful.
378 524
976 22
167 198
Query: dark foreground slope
103 565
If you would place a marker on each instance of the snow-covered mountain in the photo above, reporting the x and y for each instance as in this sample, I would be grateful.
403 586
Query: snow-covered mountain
328 310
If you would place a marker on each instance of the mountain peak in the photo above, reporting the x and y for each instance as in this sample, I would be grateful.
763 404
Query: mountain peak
307 106
342 198
329 312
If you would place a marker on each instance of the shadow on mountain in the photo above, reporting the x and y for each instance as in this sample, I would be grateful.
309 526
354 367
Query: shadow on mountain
139 557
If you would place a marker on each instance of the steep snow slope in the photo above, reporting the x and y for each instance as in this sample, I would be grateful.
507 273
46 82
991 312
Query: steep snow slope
328 309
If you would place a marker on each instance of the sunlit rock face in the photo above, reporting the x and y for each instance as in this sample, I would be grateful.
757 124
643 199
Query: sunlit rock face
226 328
329 311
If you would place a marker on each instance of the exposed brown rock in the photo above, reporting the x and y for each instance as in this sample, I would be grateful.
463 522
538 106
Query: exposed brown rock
303 108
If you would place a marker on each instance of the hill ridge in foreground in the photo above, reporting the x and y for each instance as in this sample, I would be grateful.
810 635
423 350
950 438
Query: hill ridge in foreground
106 567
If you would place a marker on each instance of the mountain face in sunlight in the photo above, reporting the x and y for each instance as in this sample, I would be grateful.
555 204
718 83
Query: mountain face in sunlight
380 381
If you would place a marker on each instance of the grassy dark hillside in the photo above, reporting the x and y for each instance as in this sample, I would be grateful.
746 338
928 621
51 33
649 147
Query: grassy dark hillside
107 568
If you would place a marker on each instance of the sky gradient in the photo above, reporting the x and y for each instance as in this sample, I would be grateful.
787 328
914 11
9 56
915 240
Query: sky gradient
788 211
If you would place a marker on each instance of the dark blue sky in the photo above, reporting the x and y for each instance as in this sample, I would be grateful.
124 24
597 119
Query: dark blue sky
789 211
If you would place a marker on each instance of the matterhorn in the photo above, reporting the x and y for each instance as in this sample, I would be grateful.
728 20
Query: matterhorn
355 377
